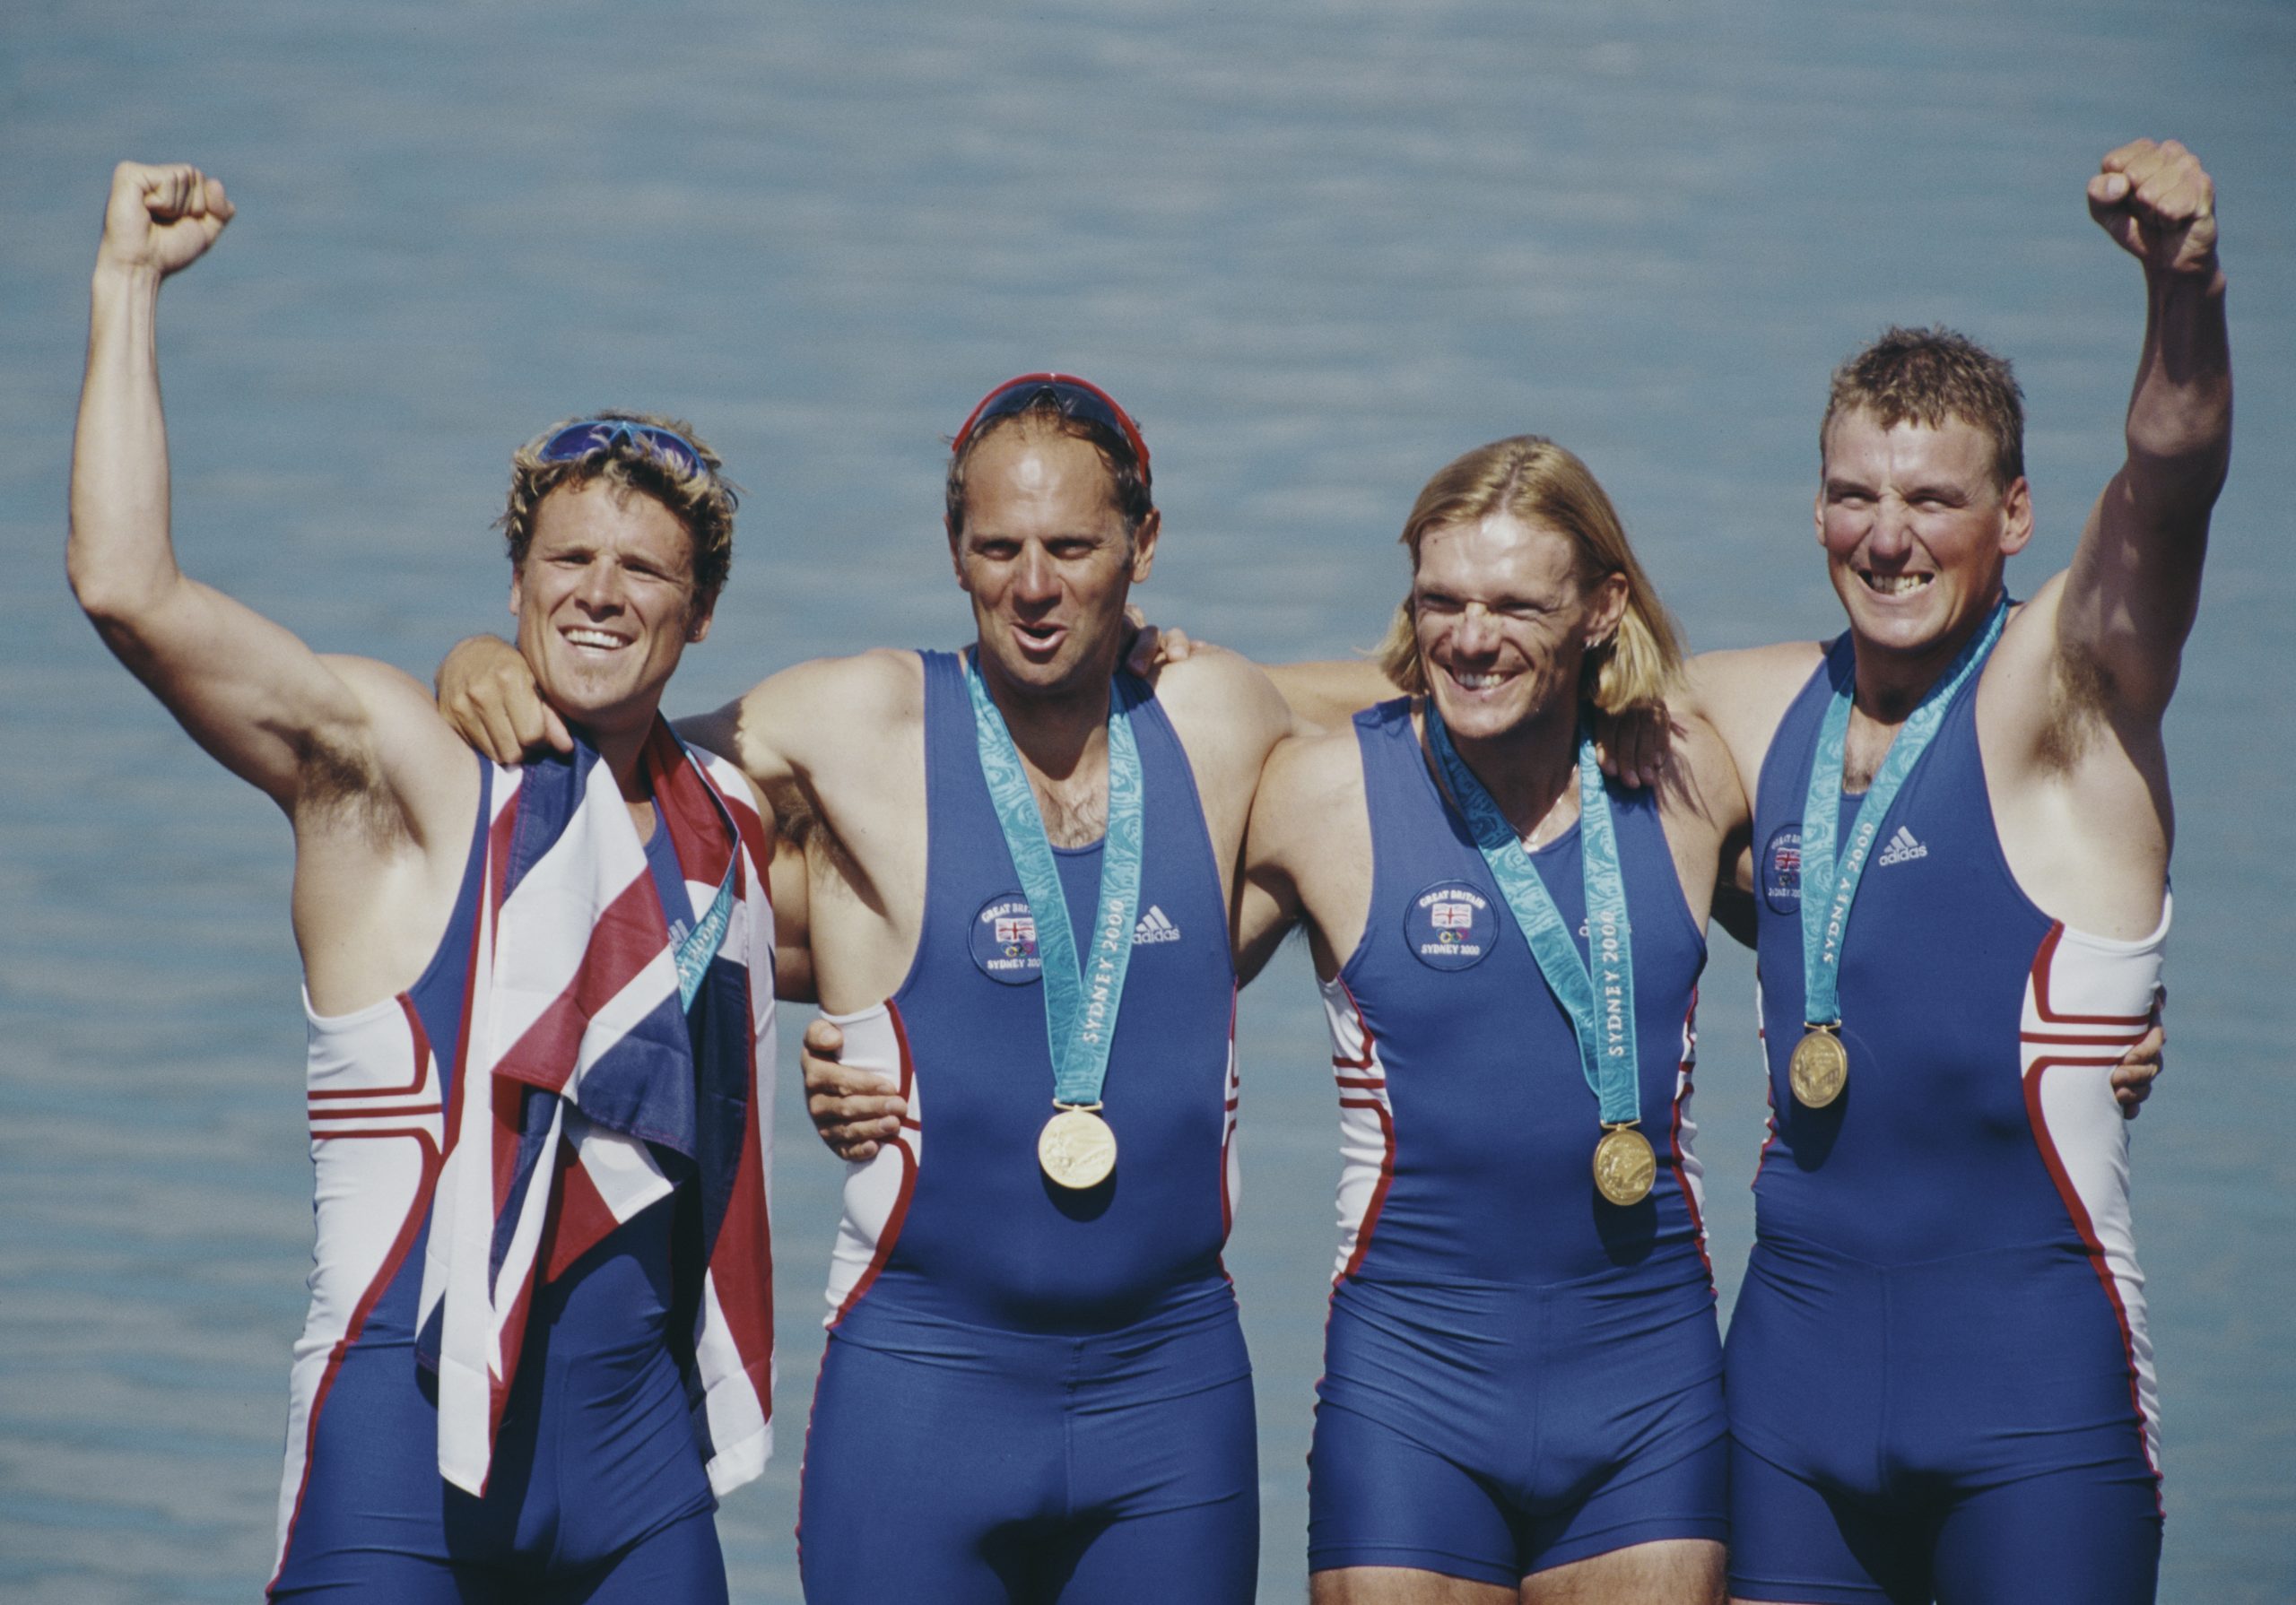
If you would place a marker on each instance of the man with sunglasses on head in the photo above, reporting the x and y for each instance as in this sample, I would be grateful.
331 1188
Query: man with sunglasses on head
539 1003
1021 861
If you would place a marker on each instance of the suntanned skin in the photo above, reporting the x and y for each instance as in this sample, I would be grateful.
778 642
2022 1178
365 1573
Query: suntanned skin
1901 505
381 792
2070 705
1504 621
838 744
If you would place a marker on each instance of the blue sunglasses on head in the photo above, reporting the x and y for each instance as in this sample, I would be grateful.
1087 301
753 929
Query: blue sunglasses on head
594 435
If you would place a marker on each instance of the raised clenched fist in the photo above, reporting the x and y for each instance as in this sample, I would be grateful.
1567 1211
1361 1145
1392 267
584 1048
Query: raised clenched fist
160 219
2160 205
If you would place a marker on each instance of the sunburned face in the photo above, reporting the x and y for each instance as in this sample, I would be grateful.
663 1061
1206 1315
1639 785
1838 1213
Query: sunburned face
606 603
1915 530
1504 622
1045 559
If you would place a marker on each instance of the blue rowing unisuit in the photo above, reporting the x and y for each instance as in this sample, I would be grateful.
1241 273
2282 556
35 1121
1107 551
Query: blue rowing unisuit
1048 1390
984 1240
1517 1373
1938 1356
596 1462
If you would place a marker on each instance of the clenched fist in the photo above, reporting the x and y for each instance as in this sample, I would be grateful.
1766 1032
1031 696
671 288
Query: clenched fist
160 219
2156 200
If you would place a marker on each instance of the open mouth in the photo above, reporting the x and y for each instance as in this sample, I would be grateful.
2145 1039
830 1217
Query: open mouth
1476 680
1895 584
1040 641
595 640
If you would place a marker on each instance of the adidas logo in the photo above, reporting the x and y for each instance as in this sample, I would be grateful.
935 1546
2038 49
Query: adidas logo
1155 926
1902 849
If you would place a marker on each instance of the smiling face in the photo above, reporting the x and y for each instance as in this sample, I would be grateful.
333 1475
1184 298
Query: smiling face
1504 622
1046 559
605 605
1916 531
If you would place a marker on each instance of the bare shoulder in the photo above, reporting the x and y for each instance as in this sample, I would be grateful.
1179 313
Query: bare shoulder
883 683
1749 674
814 713
1309 781
409 753
1700 751
1228 713
1306 765
2052 706
1215 682
2029 644
383 689
1701 780
1744 692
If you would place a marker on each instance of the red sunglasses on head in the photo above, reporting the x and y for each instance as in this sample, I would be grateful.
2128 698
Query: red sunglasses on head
1076 397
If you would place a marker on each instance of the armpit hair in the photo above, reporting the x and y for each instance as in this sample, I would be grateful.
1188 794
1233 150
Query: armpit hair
344 786
800 824
792 812
2080 693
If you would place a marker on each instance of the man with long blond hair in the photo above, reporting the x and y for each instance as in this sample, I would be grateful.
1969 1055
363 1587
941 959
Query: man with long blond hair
1522 1377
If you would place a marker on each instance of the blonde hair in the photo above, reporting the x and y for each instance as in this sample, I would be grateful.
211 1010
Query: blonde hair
1530 478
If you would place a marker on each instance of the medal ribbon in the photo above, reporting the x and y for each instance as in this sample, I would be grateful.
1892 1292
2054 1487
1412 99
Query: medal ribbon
1830 877
1080 1007
1600 1003
700 945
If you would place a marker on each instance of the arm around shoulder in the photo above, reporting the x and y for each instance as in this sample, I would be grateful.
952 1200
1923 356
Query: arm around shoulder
791 725
1744 694
1226 709
1324 695
1308 826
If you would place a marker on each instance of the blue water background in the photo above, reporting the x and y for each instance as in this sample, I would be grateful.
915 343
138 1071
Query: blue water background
1319 249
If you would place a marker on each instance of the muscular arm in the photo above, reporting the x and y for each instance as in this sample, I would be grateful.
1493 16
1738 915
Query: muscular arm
2132 591
1705 812
1742 695
250 692
1308 857
820 741
774 733
1324 695
1267 894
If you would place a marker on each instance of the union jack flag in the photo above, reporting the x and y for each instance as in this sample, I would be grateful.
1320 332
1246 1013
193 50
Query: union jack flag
583 1082
1453 916
1016 930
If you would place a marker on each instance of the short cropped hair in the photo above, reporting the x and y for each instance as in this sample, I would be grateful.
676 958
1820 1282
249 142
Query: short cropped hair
1926 376
1531 478
704 502
1128 488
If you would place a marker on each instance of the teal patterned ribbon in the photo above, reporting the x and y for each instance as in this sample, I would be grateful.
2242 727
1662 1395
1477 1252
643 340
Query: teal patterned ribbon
700 945
1830 877
1080 1009
1600 1001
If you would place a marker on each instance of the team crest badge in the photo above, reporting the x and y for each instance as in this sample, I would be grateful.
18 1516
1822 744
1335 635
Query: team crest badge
1005 940
1450 925
1780 870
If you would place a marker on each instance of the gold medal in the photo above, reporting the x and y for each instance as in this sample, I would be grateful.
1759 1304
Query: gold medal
1820 1067
1076 1147
1624 1166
